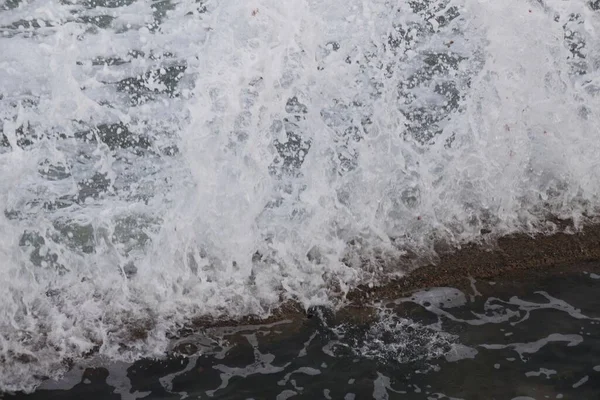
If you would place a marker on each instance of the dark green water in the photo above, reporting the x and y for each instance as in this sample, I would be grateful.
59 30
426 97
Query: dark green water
499 340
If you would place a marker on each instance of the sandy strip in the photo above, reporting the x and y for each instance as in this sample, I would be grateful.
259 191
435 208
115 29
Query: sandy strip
514 257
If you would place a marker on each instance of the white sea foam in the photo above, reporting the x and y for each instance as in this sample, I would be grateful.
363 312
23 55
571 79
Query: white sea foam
165 160
533 347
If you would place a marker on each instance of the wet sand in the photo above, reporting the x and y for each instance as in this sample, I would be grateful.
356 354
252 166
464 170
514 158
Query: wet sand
513 257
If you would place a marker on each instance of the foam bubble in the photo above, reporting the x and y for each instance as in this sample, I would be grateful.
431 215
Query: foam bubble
399 340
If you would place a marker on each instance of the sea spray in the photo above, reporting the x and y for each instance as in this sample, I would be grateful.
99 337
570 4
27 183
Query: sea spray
164 160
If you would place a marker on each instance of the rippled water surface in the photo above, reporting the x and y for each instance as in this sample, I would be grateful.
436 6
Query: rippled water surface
498 340
165 160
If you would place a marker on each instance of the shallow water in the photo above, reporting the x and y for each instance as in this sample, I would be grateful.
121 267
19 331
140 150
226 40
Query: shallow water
164 160
498 340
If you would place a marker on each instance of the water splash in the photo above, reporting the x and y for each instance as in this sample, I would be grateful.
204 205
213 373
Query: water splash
163 160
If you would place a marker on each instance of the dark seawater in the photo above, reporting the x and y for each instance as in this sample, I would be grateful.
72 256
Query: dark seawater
528 339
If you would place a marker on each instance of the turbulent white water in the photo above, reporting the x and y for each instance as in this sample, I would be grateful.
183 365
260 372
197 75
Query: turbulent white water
168 159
